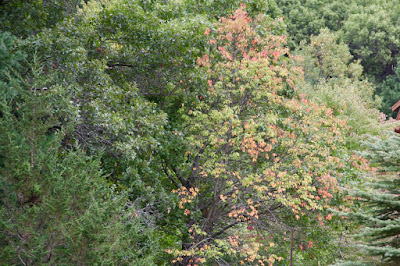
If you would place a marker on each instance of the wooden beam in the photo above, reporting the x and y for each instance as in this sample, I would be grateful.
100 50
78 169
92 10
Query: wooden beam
395 106
398 116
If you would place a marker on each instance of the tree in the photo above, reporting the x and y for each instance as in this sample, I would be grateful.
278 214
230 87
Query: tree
369 28
8 58
377 43
217 9
254 149
114 118
55 204
305 18
133 99
389 90
26 18
381 201
334 78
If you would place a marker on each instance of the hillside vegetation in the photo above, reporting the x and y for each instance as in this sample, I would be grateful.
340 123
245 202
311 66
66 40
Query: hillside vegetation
193 132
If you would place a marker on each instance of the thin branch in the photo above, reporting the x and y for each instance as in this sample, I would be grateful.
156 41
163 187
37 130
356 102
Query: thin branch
119 64
23 262
183 182
169 176
224 229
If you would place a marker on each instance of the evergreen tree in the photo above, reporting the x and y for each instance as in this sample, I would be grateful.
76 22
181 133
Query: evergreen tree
7 58
55 204
382 215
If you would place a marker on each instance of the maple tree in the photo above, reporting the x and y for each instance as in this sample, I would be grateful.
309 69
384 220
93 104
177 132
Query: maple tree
257 150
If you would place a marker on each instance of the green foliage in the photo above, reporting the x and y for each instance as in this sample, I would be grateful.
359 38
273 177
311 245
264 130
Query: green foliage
134 99
55 205
369 28
373 36
212 9
333 78
122 42
327 58
25 18
389 90
113 114
115 58
8 58
306 18
381 216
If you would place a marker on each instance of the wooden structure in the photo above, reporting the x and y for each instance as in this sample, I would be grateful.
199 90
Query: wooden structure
395 107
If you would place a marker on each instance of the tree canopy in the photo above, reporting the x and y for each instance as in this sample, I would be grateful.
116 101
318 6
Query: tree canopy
197 132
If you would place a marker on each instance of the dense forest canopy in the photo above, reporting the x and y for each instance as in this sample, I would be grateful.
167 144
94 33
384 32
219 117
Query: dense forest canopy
194 132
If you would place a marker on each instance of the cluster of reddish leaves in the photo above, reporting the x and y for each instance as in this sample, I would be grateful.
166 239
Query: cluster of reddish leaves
254 150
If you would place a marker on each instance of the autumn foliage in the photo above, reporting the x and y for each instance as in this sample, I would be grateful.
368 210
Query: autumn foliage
257 149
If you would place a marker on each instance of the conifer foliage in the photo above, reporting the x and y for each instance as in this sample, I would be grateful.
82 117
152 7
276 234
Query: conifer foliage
382 218
55 206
